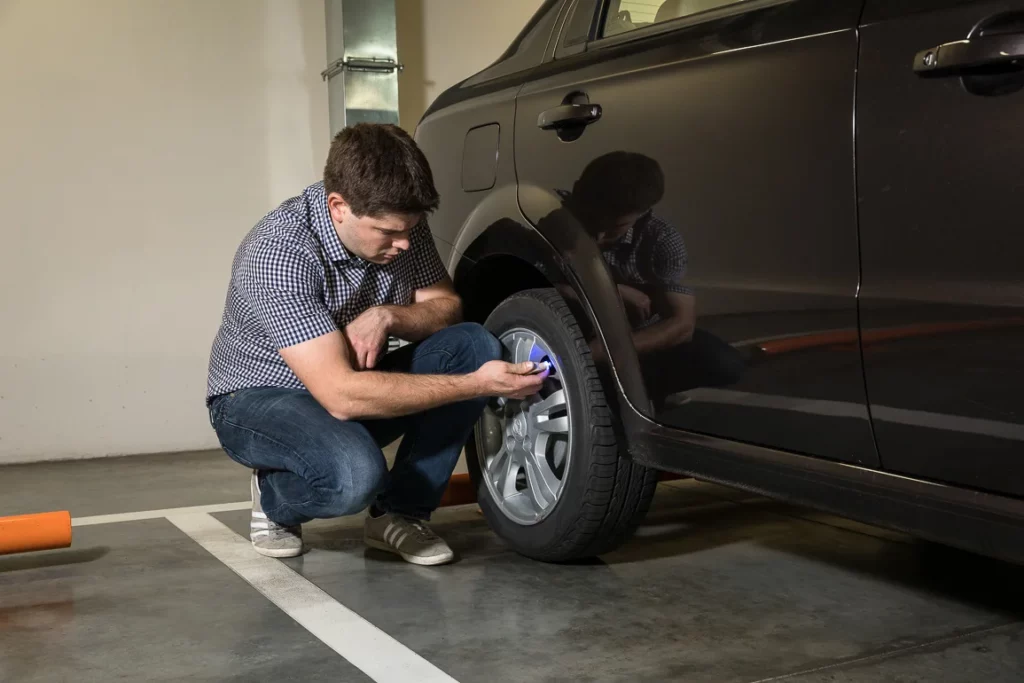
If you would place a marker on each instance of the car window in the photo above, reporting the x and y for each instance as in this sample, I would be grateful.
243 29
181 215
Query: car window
629 15
527 50
577 28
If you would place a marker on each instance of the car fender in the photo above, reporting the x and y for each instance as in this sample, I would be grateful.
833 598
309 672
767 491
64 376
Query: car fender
559 249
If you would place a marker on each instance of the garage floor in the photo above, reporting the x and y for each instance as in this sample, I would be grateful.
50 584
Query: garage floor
717 586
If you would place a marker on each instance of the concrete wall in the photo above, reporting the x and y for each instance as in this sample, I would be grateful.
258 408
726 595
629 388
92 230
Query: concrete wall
140 140
442 42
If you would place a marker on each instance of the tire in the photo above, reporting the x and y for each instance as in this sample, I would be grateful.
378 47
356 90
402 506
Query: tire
603 496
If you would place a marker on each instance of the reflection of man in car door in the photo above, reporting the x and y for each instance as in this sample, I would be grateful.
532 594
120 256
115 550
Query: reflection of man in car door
614 200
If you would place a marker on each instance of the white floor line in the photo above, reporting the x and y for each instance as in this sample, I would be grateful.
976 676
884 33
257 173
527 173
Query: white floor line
158 514
369 649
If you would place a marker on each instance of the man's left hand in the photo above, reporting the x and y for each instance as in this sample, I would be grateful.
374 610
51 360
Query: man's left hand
367 335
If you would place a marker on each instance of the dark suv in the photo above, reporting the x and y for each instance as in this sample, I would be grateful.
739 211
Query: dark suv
765 243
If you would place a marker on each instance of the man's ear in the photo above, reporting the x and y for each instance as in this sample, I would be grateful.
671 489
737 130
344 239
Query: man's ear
338 207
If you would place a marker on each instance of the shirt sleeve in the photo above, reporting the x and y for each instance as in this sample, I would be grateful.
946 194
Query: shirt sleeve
284 287
427 268
670 260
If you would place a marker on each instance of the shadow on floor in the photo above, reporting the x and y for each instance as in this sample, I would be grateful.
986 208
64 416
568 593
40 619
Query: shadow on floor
968 578
55 558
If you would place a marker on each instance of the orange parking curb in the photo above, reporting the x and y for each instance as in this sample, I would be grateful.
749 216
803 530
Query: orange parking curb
43 531
460 489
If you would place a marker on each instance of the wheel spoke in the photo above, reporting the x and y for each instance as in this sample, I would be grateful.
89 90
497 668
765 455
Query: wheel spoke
558 425
498 469
543 484
510 343
508 477
525 348
554 402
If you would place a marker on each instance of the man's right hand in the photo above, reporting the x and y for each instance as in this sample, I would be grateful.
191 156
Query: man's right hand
498 378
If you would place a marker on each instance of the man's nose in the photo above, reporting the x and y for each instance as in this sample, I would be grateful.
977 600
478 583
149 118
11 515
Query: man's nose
401 245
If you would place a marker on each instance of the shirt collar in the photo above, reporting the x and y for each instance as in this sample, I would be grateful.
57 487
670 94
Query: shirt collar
324 226
634 230
628 237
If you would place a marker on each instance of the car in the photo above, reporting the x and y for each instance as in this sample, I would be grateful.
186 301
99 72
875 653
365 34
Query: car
765 243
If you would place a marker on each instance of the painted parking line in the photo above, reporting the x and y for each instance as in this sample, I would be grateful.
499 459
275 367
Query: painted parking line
369 649
158 514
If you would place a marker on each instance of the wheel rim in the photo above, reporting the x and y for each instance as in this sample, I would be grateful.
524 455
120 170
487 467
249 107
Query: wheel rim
524 447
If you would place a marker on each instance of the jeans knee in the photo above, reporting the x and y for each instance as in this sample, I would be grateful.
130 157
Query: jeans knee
477 345
352 485
353 497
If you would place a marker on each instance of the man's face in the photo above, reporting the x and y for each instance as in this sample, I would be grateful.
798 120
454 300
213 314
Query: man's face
377 240
611 231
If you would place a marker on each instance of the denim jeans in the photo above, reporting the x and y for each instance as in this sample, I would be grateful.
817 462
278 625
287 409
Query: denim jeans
311 465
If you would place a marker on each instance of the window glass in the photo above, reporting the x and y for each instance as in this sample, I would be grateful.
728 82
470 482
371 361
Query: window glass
527 50
577 29
629 15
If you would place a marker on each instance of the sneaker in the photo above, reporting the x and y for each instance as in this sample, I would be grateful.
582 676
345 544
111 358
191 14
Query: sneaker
410 538
268 537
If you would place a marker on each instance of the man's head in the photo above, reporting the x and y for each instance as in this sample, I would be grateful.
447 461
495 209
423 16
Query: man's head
378 186
614 191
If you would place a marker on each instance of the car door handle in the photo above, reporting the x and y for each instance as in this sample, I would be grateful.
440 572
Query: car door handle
566 115
971 53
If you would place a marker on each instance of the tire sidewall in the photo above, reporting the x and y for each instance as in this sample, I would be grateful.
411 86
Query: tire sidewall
530 313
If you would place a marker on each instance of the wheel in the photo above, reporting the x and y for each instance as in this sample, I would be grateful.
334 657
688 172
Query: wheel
547 470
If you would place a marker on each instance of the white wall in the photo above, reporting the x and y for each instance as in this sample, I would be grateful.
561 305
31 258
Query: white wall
442 42
139 141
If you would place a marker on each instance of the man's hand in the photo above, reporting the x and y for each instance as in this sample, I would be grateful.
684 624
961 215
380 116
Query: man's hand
636 301
367 335
498 378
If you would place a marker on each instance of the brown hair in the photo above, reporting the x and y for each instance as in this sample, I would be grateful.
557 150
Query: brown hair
619 183
379 169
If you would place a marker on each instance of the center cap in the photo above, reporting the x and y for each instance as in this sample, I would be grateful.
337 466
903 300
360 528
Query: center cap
519 426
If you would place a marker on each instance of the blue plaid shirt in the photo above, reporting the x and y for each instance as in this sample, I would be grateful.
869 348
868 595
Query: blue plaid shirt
293 280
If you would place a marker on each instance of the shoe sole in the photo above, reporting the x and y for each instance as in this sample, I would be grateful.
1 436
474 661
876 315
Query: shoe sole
270 552
411 559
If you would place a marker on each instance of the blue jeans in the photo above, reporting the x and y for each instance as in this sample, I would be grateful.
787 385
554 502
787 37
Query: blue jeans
311 465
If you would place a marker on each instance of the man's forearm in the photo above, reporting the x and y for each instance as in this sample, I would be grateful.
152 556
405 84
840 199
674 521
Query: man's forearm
662 335
371 394
420 320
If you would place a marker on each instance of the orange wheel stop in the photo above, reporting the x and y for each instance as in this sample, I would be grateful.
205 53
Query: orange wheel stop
460 489
43 531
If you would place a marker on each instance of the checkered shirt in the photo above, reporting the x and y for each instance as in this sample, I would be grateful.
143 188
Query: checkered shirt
651 252
293 280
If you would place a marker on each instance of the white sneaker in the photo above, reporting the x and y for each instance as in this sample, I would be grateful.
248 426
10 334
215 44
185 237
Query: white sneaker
268 537
410 538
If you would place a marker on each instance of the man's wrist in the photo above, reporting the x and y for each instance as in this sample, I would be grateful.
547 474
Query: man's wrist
388 318
474 385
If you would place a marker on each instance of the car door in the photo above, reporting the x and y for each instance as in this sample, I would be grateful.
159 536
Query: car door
940 153
709 145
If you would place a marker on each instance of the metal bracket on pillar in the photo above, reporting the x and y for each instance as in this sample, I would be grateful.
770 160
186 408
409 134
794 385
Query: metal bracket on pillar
362 62
383 65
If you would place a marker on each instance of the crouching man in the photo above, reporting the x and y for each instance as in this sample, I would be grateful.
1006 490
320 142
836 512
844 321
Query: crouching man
300 389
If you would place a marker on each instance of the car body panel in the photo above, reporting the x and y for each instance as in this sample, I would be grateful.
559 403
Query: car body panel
760 187
940 185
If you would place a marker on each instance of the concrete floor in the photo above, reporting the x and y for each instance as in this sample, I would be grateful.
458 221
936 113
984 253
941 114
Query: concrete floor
717 586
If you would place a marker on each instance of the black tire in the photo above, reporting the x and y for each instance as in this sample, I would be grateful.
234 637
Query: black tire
605 495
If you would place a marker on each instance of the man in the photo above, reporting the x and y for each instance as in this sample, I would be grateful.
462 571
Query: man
298 389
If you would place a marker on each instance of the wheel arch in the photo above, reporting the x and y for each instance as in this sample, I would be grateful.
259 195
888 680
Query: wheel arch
498 252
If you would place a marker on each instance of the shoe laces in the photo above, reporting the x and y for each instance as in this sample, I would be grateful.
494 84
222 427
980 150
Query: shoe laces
421 530
274 527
